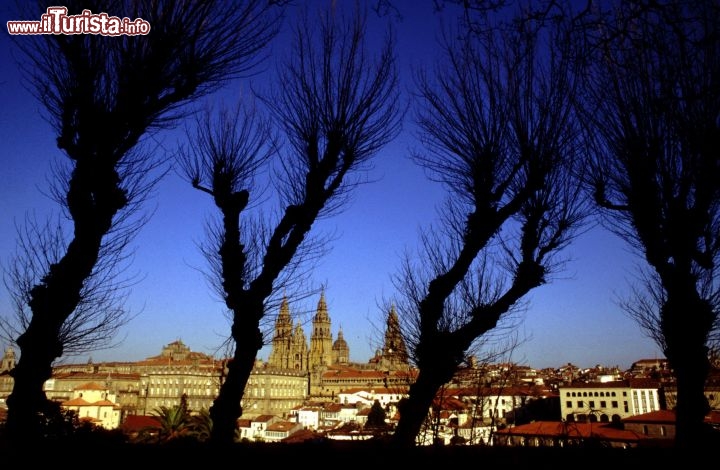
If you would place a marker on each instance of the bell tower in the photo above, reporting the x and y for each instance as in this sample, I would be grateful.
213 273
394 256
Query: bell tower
321 339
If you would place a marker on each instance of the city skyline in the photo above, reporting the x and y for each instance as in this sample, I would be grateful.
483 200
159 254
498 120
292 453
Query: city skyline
574 318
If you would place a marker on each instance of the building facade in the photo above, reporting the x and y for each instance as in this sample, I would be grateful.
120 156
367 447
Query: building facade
295 372
609 401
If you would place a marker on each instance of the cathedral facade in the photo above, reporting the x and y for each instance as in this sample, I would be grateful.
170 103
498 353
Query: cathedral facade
327 362
296 372
290 349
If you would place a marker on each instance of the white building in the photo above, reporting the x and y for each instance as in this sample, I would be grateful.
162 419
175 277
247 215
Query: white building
609 401
95 403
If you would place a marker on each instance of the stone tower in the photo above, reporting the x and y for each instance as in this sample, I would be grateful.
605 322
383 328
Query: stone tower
289 344
394 352
321 339
8 360
282 342
299 350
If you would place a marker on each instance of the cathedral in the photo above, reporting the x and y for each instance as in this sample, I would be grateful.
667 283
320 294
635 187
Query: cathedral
290 349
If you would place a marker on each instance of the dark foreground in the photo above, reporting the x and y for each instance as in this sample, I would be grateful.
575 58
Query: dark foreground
336 455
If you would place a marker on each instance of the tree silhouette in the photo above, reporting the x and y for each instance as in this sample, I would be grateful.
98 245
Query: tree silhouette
337 108
498 132
103 95
652 103
376 418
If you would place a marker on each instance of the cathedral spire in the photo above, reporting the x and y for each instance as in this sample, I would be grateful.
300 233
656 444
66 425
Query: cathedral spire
321 338
394 350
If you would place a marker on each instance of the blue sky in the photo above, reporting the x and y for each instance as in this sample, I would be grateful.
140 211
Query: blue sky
573 319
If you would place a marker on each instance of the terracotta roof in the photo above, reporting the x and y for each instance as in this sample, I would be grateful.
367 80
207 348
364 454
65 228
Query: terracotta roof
668 417
501 391
104 403
281 426
90 386
136 423
629 383
376 390
263 418
76 402
303 435
92 376
713 417
333 407
571 430
658 417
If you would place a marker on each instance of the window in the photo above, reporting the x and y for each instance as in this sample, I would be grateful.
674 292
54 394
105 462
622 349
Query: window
603 404
568 404
591 404
581 404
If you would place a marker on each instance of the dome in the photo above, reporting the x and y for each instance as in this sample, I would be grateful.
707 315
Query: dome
340 343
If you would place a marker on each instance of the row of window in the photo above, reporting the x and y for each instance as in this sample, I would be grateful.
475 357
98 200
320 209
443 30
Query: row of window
593 394
591 405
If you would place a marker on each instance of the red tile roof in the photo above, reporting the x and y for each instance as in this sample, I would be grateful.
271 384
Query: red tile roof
90 386
656 417
571 430
136 423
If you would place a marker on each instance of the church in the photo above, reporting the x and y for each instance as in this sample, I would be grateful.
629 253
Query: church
290 349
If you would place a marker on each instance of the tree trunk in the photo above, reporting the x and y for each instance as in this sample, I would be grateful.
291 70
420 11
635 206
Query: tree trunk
226 408
687 354
415 408
27 402
93 200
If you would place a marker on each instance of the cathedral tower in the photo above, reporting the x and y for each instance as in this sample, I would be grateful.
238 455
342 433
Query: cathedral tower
321 339
394 351
282 342
299 350
8 360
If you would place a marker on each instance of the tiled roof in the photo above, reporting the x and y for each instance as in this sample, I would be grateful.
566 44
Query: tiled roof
571 430
76 402
135 423
518 391
629 383
264 418
657 417
281 426
303 435
375 390
90 386
668 417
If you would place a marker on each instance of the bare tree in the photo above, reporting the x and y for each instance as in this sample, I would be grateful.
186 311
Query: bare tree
337 108
498 131
98 316
653 98
103 95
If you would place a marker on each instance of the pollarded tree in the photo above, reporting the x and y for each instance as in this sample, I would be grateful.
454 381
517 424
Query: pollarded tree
653 100
499 133
103 95
337 108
